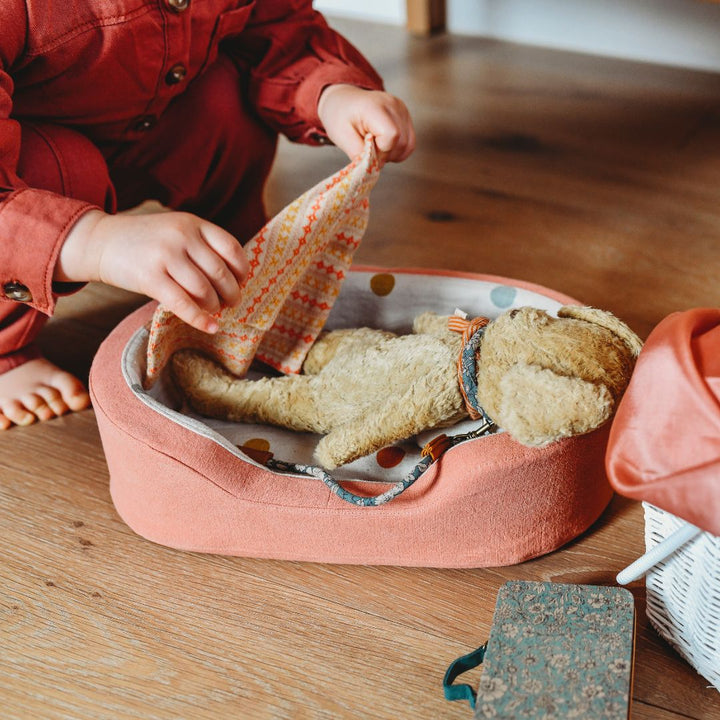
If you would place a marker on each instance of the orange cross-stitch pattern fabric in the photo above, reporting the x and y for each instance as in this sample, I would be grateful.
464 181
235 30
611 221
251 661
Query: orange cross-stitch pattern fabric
297 264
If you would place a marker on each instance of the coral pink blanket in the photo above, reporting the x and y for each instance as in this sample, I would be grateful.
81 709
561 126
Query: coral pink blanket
665 439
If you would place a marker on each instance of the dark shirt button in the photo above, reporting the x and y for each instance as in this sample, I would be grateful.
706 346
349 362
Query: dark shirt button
178 5
176 74
321 139
147 122
17 291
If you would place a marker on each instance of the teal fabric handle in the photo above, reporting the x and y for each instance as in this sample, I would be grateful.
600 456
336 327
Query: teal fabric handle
458 667
486 428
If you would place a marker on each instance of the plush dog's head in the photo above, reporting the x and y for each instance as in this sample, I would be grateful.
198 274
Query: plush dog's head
543 378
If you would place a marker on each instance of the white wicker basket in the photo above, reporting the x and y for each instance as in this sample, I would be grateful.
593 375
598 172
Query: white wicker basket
683 594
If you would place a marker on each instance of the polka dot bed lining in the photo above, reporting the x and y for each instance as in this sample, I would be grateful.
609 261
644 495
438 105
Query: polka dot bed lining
373 297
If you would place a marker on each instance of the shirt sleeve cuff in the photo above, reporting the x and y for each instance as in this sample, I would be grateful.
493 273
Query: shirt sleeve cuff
33 227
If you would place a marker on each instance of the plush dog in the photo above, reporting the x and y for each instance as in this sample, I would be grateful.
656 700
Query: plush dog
540 378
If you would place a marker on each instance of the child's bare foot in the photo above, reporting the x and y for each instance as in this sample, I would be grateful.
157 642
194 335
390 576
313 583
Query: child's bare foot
38 390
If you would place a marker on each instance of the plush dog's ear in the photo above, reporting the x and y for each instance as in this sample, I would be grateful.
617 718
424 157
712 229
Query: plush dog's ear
537 406
606 320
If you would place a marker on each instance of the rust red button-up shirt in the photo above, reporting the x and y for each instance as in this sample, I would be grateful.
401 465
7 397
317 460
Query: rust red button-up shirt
102 66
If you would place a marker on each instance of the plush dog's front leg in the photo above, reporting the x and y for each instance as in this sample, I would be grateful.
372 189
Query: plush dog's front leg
214 392
429 323
399 418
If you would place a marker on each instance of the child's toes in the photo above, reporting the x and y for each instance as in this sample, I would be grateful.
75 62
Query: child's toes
4 422
73 392
37 406
79 401
17 413
53 399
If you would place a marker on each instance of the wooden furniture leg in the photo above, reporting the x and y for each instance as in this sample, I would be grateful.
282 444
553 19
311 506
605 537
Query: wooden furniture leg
425 17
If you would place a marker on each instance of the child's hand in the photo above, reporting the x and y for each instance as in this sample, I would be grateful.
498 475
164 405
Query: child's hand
349 113
188 264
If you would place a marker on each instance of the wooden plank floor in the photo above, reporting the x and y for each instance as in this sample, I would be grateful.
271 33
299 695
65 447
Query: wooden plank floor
596 177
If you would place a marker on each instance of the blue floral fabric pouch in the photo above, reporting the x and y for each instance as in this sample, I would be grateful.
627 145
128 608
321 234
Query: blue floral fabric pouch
554 651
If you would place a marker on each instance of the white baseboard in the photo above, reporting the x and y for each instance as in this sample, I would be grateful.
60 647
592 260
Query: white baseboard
684 33
389 11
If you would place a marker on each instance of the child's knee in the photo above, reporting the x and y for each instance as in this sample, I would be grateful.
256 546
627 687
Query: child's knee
228 115
56 158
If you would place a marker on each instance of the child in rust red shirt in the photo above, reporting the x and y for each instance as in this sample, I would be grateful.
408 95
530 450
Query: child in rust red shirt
104 105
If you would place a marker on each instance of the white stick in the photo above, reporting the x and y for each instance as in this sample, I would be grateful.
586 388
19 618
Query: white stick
669 545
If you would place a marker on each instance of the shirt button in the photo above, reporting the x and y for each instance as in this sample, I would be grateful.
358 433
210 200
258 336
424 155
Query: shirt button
147 122
178 5
17 291
176 74
321 139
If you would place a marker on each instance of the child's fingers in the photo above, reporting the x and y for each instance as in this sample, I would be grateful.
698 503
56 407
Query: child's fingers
406 143
217 272
348 113
178 301
227 247
399 139
393 131
194 283
351 141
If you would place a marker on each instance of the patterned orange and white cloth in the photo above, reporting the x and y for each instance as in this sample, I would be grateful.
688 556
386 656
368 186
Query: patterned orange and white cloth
298 262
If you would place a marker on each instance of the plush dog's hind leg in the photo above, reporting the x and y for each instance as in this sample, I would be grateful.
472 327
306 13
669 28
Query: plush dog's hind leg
327 345
214 392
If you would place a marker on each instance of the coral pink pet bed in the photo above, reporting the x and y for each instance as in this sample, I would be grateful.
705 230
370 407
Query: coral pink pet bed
195 484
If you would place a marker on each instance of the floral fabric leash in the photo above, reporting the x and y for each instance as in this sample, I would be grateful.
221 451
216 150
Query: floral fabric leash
431 452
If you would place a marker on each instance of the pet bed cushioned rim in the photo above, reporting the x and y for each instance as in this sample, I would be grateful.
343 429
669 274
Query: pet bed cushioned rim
499 503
